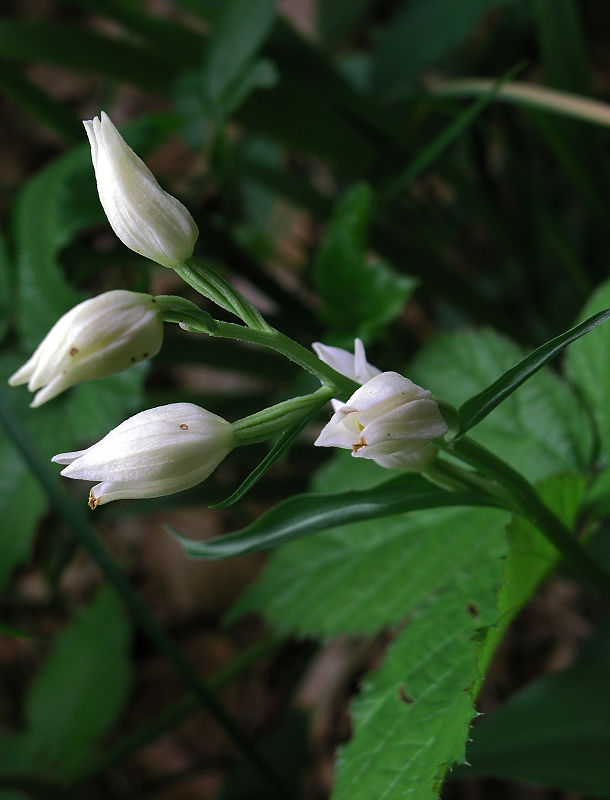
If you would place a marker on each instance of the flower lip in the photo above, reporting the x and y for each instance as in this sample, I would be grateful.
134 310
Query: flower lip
146 219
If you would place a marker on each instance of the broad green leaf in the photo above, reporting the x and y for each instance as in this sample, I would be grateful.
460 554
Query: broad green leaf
541 429
372 573
587 366
411 718
83 50
303 515
554 732
531 557
78 692
423 32
478 407
360 297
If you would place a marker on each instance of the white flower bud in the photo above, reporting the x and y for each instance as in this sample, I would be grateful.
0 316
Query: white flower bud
154 453
143 216
98 337
390 420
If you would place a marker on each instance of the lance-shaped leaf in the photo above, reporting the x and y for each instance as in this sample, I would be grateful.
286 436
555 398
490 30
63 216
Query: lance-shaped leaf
482 404
283 443
306 514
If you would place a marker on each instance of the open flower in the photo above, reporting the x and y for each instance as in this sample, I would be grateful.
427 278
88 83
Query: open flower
154 453
144 217
100 336
390 420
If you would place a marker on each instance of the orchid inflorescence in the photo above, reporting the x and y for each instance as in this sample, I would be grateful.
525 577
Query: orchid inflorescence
163 450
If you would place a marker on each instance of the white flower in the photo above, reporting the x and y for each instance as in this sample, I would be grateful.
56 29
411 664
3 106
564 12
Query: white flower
100 336
390 420
143 216
354 366
156 452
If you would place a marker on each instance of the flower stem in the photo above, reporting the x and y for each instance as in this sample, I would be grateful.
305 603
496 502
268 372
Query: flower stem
212 285
527 502
267 423
192 318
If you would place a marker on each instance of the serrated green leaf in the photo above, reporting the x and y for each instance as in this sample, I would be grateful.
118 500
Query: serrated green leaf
478 407
531 557
78 692
367 574
306 514
541 429
587 366
360 297
412 717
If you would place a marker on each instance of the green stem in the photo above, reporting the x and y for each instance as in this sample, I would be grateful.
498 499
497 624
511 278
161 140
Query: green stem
191 318
212 285
531 507
267 423
16 432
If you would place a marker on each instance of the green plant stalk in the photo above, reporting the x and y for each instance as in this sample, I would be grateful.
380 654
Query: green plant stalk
270 421
528 503
455 478
191 318
170 716
21 439
212 285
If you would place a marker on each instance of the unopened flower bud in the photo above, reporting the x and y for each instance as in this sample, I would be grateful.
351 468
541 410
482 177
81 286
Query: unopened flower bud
100 336
154 453
144 217
390 420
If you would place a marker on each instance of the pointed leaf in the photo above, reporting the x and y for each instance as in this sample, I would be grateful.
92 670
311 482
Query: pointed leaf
305 514
479 406
284 442
587 365
540 430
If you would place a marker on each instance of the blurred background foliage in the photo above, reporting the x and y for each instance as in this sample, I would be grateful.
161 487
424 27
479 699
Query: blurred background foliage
342 182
